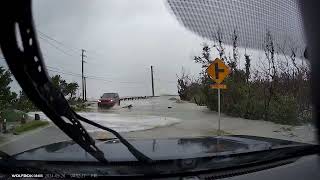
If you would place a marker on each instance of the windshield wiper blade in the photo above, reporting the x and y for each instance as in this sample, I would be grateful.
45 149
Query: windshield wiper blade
26 64
140 156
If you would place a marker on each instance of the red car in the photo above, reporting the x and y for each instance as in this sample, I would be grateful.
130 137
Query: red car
108 100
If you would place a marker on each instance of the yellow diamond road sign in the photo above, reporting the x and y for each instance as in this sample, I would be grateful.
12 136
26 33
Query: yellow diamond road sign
218 71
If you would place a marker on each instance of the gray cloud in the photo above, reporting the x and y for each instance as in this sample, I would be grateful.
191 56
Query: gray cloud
122 39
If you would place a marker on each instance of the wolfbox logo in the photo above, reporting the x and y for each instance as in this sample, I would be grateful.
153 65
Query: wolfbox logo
27 175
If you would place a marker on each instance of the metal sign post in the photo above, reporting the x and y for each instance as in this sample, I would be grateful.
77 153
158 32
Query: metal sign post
218 71
219 119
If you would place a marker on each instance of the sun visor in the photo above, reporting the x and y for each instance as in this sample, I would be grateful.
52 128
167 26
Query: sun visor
217 20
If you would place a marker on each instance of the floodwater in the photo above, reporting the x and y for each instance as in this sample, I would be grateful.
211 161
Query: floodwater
160 117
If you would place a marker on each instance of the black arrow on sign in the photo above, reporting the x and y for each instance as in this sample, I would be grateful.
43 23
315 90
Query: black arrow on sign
217 70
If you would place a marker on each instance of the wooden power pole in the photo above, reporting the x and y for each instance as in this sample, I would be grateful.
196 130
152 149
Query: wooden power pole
152 81
82 75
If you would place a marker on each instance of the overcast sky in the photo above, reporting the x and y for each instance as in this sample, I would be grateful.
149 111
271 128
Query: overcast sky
122 39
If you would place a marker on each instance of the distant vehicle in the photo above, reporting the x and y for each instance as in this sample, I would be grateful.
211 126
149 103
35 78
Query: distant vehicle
108 100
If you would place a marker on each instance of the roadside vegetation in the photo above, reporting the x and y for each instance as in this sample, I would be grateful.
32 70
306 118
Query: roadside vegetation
69 91
277 89
10 100
14 107
13 115
29 126
79 105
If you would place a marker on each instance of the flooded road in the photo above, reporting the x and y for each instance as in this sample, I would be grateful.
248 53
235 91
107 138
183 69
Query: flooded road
199 121
167 116
160 117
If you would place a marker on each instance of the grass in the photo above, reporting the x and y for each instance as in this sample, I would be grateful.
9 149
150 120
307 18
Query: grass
29 126
12 115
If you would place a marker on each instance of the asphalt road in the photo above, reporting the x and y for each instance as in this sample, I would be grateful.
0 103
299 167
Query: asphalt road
194 121
33 139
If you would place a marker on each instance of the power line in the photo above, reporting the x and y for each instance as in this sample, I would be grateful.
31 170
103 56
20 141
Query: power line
125 82
58 42
48 39
56 47
101 80
66 73
61 70
93 77
76 50
53 69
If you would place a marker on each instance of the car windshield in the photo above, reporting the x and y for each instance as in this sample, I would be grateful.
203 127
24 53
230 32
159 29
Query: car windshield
177 68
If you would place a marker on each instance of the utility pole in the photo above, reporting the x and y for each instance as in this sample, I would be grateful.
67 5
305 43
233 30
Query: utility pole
85 88
82 79
152 81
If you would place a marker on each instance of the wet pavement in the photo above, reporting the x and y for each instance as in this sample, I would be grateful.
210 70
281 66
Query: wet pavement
160 117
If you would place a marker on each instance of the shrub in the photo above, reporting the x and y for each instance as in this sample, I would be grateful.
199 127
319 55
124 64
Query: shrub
283 110
12 115
279 91
29 126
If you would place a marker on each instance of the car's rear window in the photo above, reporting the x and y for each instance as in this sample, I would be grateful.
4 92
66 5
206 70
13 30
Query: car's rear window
109 95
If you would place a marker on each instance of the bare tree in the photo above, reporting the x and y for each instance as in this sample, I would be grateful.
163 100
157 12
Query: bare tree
234 62
247 67
204 59
183 84
271 73
219 38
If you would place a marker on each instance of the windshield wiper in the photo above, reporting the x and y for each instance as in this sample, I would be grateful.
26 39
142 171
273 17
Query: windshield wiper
26 64
140 156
